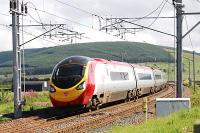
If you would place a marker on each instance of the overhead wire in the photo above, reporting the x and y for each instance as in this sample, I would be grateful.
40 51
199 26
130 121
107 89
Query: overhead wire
36 11
34 19
82 36
23 57
156 18
28 20
72 6
189 33
164 1
152 11
37 15
28 33
66 19
145 16
87 12
159 6
49 13
174 43
5 14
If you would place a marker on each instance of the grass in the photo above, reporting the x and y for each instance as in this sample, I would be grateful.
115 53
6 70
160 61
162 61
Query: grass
179 122
176 123
37 100
34 100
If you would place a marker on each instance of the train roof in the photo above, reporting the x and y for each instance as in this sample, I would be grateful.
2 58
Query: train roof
140 66
75 60
122 63
110 61
85 59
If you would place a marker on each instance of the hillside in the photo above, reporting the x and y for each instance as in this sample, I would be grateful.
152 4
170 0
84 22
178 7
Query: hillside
42 60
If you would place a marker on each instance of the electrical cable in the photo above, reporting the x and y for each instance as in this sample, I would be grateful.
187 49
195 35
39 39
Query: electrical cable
163 2
28 33
5 14
85 11
155 18
36 11
34 19
140 18
82 10
152 11
37 15
87 37
28 20
174 44
66 19
189 34
23 58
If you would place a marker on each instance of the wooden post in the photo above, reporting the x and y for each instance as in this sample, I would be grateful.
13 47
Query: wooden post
145 109
197 126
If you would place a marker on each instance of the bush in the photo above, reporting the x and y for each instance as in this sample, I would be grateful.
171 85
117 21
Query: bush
4 95
195 99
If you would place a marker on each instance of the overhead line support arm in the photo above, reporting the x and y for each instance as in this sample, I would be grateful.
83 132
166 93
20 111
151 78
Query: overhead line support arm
148 28
191 29
39 35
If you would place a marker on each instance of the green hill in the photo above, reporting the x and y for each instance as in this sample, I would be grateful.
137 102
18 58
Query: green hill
42 60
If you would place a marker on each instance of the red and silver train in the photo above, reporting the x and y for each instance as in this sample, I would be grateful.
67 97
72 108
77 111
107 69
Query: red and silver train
90 82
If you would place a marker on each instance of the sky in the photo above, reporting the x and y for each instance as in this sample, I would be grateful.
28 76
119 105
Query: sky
86 16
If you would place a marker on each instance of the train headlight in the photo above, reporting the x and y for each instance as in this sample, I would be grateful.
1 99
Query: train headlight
52 89
81 86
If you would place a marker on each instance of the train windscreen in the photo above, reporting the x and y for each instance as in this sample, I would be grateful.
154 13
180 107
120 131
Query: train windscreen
66 76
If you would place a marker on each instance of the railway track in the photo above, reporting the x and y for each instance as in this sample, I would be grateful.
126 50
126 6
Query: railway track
83 122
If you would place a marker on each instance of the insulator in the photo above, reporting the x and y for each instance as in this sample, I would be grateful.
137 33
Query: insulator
11 5
22 7
26 9
15 5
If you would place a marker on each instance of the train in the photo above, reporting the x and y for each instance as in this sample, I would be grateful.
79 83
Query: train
92 82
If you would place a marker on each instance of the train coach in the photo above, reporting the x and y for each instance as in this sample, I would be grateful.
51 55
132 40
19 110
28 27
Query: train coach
91 82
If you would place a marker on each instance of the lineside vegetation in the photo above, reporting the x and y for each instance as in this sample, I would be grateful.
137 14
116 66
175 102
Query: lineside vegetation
179 122
34 100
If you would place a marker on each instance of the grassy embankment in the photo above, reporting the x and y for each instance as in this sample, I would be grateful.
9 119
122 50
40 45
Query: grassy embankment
34 100
180 122
169 68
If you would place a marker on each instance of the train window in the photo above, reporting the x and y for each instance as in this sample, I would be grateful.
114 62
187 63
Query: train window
144 76
158 76
119 75
70 70
66 76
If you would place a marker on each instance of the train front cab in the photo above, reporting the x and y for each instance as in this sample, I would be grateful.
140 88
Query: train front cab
68 82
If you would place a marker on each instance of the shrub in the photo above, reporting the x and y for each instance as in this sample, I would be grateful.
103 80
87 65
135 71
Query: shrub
186 83
196 99
4 95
